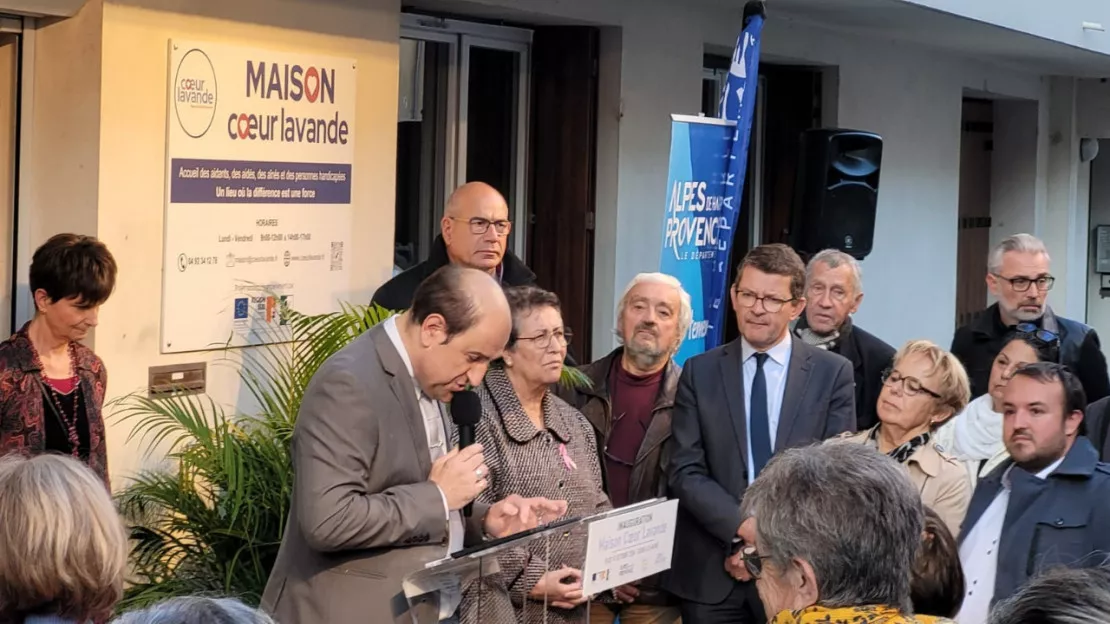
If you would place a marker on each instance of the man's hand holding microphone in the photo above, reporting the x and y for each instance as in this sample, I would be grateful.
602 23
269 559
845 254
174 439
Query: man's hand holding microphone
462 475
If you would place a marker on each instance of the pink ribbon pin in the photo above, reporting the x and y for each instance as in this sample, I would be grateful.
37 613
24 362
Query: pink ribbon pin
567 461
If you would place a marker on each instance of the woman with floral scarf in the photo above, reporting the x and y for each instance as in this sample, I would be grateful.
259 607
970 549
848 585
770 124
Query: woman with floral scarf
925 387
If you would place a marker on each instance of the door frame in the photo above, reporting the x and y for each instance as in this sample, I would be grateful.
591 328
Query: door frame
461 36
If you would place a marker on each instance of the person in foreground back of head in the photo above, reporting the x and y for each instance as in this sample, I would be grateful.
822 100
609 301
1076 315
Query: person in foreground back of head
937 587
63 547
1048 506
377 492
1060 596
831 534
196 610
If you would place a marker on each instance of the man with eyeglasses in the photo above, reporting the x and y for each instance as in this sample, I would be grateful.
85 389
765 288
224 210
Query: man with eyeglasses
1018 276
834 291
735 407
474 232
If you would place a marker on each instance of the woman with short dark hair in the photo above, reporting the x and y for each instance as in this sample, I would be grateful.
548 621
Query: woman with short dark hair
52 386
536 444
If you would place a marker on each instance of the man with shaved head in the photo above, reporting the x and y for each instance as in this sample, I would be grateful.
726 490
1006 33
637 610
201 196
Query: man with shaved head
377 493
474 232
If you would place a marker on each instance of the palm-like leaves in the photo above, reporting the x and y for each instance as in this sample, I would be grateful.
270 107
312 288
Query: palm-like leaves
212 521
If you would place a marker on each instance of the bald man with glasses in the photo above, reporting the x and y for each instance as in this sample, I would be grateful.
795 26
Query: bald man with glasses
474 232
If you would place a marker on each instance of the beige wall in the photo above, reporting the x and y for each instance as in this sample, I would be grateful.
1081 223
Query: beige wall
110 151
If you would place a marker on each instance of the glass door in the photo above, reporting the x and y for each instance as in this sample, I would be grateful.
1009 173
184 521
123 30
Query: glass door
493 124
462 117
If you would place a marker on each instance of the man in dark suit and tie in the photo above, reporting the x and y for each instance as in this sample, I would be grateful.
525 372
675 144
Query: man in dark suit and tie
736 406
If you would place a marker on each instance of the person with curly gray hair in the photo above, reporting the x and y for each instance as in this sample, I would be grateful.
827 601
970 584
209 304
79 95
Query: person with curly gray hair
1061 596
196 610
831 534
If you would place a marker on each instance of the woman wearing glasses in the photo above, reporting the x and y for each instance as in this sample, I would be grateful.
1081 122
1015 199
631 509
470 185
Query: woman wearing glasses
974 436
925 387
831 535
535 444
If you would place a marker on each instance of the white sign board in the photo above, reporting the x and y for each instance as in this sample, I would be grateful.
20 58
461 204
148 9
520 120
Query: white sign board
628 547
259 150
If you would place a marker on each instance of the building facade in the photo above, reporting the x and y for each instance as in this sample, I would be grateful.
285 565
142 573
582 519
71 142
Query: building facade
983 108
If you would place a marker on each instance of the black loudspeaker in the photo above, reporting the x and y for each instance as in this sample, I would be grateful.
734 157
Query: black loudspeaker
836 192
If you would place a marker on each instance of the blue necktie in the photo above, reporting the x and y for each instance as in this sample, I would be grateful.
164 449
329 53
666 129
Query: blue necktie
760 433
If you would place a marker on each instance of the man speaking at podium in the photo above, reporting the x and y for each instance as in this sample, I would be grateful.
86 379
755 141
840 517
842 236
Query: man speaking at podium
377 493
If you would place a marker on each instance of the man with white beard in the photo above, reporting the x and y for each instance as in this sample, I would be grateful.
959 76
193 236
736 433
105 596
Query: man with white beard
1018 276
629 405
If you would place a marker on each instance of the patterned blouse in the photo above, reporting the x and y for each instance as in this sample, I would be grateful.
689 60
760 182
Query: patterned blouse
854 615
561 463
22 407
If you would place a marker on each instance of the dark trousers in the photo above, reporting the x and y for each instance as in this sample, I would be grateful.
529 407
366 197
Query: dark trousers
742 606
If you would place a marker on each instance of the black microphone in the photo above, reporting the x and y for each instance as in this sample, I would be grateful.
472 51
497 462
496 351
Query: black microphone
466 411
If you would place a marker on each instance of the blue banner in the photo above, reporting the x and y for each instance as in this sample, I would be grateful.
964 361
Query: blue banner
697 230
709 158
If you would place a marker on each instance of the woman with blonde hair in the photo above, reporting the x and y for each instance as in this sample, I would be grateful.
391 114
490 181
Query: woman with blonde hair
64 545
924 387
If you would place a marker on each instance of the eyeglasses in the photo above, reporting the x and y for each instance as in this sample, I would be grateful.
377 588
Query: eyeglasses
753 561
481 226
910 385
770 304
543 341
838 294
1040 334
1021 284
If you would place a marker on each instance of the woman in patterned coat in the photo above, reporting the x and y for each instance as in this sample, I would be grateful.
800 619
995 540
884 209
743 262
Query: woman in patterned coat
52 386
535 444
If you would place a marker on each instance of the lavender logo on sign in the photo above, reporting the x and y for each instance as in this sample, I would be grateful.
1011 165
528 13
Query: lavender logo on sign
194 93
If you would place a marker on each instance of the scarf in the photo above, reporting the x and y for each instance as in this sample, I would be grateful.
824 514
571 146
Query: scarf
977 431
853 615
828 342
905 451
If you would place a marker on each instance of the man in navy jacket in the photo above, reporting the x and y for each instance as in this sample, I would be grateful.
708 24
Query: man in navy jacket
1049 506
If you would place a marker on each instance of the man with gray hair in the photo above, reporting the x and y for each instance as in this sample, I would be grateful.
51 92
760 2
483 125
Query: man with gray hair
830 534
1018 276
834 291
629 405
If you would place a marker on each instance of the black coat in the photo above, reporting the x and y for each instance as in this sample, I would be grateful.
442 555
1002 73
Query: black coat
870 356
978 343
397 293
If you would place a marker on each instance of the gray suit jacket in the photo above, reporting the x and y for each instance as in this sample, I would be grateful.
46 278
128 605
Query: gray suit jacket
364 513
709 471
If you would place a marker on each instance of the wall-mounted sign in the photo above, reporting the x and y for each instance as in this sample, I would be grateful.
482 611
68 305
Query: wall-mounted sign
259 151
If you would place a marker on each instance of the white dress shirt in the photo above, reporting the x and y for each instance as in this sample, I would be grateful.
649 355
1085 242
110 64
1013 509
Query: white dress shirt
774 373
979 553
434 429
